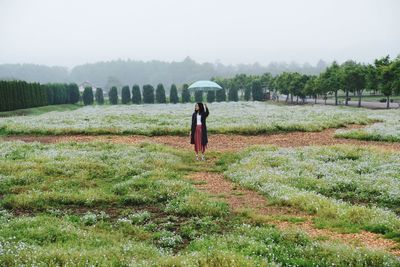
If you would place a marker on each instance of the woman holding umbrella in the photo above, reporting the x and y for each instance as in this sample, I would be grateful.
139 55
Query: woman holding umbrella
198 134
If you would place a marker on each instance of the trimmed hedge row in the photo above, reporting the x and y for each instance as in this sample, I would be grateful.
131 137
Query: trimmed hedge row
21 94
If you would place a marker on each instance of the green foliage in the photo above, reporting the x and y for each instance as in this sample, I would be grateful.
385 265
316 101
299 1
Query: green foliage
160 94
185 93
99 96
198 96
87 96
148 94
113 95
57 93
211 96
257 90
233 94
173 94
73 93
18 95
247 94
136 95
125 95
220 95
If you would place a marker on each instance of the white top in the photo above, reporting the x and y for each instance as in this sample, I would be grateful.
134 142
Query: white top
198 119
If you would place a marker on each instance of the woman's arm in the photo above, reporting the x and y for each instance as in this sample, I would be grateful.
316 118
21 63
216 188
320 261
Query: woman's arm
207 111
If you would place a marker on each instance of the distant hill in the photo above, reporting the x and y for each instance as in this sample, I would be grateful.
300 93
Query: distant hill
129 72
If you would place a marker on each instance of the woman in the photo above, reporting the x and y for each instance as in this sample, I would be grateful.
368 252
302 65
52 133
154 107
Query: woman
198 134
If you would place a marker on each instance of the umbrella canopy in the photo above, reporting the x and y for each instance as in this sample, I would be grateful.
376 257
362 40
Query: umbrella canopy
204 86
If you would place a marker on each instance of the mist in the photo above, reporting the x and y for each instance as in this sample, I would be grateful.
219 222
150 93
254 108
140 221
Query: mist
70 33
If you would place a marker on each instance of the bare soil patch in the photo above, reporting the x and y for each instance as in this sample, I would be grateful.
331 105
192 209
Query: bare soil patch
218 142
240 199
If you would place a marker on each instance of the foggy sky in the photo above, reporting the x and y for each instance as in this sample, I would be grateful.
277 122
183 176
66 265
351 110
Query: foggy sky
72 32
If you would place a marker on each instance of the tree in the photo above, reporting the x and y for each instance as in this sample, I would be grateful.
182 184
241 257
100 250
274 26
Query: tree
136 96
148 94
99 96
185 93
282 82
354 79
220 95
73 93
173 94
331 80
113 95
242 82
233 94
310 87
371 83
210 96
87 96
198 96
247 94
160 94
388 77
125 95
347 78
256 90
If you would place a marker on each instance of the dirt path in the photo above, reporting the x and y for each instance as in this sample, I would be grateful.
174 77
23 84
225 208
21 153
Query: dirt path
218 142
240 199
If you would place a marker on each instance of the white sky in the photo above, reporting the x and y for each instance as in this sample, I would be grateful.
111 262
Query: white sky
72 32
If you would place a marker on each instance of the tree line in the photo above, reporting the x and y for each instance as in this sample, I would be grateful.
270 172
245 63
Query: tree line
382 76
350 77
121 72
21 94
151 95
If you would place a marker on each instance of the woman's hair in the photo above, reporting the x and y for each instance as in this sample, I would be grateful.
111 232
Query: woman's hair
201 108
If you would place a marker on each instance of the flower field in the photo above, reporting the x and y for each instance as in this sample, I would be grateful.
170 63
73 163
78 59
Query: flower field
388 129
344 186
163 119
104 204
100 204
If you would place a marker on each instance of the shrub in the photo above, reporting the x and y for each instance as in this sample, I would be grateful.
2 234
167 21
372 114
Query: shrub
113 95
136 95
125 95
73 93
99 96
148 94
256 90
160 94
185 93
173 94
87 96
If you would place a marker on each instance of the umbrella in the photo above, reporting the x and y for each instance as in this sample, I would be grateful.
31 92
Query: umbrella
204 86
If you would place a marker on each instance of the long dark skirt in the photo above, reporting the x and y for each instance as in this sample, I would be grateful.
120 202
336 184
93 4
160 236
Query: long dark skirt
197 140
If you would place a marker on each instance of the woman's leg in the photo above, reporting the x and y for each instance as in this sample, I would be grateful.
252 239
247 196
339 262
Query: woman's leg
203 151
197 141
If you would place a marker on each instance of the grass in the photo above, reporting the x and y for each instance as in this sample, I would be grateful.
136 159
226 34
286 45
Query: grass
40 110
120 205
344 187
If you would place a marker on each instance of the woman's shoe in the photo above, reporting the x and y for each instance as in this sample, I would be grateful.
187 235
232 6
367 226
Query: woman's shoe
202 157
197 157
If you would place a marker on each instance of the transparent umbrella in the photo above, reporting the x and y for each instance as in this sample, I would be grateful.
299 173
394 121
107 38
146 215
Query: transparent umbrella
204 86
